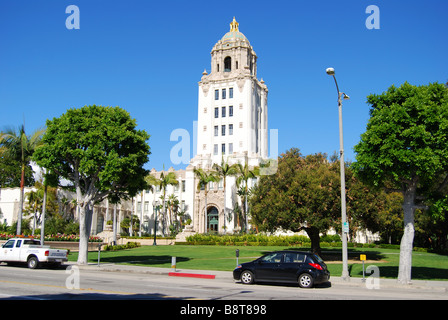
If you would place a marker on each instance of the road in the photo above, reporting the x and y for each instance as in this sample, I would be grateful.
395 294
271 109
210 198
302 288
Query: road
90 284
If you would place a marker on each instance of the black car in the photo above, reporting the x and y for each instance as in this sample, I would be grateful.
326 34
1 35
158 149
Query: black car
304 268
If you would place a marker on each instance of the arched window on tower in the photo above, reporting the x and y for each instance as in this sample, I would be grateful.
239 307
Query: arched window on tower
227 64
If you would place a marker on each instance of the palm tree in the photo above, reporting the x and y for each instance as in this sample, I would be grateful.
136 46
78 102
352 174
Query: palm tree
173 207
225 170
151 181
164 181
20 147
244 174
204 178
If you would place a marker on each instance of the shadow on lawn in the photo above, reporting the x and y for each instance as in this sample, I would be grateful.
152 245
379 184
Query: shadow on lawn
145 260
418 273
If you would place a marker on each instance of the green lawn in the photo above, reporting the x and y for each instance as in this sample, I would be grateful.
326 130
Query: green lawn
426 266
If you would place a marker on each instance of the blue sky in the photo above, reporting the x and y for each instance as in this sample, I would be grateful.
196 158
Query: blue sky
148 56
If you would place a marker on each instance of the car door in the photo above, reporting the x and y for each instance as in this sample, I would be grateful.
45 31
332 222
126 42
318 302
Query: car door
267 268
7 250
293 261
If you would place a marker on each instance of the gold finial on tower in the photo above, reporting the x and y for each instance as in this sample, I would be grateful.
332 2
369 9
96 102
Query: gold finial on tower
234 25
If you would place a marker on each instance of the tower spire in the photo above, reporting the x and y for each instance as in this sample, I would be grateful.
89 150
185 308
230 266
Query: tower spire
234 25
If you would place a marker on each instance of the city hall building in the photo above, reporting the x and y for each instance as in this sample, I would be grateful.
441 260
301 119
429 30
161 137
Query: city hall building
232 125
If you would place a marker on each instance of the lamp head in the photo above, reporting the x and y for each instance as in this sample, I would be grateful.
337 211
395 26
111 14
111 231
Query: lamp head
330 71
346 97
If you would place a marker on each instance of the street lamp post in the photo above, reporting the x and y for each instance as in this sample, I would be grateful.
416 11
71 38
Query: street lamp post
155 205
345 275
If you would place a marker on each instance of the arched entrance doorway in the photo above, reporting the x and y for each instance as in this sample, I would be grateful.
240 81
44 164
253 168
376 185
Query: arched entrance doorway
212 219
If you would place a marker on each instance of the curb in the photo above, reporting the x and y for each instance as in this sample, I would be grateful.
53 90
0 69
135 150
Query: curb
191 275
441 286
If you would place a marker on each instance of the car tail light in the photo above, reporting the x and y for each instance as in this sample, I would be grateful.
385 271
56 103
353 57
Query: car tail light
47 253
316 265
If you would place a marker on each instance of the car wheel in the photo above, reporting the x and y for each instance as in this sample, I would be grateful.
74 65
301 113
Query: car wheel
306 280
247 277
33 262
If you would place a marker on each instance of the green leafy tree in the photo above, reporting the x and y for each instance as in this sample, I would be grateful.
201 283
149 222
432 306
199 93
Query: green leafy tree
405 149
100 151
11 173
20 147
302 195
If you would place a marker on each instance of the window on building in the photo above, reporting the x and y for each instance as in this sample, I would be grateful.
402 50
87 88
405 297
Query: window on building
230 111
223 93
223 112
183 185
146 206
223 130
230 129
215 149
182 205
221 184
227 64
230 148
216 112
230 93
216 131
223 148
216 94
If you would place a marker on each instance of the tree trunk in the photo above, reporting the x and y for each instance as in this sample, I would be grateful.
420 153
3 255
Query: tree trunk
85 222
19 217
313 233
44 209
406 245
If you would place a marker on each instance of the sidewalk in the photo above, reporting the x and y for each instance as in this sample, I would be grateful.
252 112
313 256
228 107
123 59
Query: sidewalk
441 286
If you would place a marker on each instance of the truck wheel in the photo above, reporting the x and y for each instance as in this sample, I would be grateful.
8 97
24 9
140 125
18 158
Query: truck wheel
33 262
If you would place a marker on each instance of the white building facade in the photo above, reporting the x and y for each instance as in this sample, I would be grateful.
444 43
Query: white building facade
232 126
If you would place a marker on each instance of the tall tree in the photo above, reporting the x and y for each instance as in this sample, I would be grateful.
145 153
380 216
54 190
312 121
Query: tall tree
405 149
204 178
223 171
302 195
100 151
20 147
244 173
166 179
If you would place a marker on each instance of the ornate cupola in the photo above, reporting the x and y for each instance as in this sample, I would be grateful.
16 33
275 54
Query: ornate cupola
233 54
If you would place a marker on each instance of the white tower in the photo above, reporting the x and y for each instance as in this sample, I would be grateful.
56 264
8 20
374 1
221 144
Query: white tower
232 105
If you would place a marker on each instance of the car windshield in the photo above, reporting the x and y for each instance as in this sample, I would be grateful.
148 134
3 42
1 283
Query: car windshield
273 257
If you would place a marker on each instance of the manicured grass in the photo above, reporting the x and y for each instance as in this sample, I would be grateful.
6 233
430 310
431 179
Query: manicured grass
426 266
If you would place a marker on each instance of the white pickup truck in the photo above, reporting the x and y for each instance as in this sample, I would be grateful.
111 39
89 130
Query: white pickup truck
31 252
